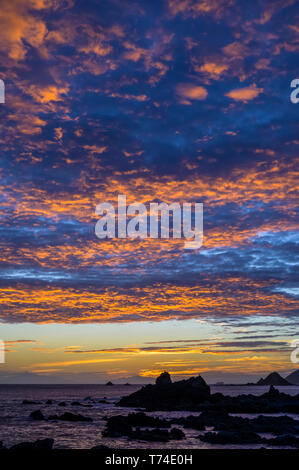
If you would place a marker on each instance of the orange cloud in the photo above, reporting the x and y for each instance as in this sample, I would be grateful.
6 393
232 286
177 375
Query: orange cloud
213 68
245 94
188 92
20 25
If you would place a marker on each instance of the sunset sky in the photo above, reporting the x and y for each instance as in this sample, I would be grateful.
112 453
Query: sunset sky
169 101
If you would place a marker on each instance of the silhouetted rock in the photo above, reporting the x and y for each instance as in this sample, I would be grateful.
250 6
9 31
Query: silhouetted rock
164 380
2 447
30 402
167 395
49 402
37 415
117 426
229 437
41 444
131 425
293 378
141 419
151 435
109 384
62 403
176 434
157 435
222 421
284 440
273 379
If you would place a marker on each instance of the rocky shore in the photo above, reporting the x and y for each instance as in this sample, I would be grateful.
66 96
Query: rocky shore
195 395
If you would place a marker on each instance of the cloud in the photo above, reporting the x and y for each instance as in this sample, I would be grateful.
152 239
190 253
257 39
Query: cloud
188 92
94 109
245 94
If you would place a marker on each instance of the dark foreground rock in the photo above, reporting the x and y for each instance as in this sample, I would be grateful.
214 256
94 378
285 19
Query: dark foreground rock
37 415
158 435
119 422
284 440
248 437
41 444
168 395
131 425
222 421
229 437
30 402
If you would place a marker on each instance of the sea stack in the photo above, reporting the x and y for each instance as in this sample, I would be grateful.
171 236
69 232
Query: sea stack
168 395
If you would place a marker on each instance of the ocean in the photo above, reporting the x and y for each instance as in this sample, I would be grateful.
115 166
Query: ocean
16 426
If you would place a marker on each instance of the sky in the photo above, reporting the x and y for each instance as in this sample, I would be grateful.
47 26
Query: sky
170 101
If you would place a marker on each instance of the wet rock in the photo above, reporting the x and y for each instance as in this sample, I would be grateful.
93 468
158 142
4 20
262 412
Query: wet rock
230 437
158 435
141 419
222 421
176 434
37 415
53 417
131 425
62 403
117 426
41 444
49 402
30 402
151 435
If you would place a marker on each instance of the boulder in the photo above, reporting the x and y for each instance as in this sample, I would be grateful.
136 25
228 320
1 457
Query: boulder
168 395
164 380
230 437
37 415
117 426
30 402
41 444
